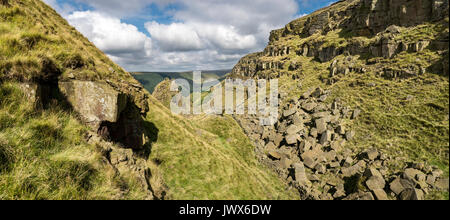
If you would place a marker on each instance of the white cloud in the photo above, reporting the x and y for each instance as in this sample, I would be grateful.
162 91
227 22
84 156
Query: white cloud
64 9
175 37
196 36
210 34
225 37
216 33
111 35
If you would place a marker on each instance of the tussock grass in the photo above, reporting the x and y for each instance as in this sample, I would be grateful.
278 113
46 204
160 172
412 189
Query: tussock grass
407 119
31 31
209 157
44 155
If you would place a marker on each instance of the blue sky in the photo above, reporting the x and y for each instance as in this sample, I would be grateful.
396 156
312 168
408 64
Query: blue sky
181 35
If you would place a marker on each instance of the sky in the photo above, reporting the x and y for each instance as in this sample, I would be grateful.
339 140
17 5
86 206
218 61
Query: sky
181 35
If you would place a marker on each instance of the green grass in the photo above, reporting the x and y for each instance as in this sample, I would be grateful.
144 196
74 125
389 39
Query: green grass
415 130
32 33
210 158
44 155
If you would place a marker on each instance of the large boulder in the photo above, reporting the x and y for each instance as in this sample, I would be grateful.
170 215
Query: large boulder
96 102
107 111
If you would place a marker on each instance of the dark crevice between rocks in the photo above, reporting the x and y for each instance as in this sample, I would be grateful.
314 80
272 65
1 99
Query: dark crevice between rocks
131 131
5 3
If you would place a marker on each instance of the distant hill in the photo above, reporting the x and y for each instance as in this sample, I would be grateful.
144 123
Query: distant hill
151 79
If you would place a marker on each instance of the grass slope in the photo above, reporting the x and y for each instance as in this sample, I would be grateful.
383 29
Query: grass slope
210 157
44 155
407 119
36 42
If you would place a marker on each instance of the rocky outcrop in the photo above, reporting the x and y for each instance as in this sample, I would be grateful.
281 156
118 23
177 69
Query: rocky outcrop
126 163
307 148
96 102
373 16
366 28
110 112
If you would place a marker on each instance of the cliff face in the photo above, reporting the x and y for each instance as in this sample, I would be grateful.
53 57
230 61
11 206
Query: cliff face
368 28
364 92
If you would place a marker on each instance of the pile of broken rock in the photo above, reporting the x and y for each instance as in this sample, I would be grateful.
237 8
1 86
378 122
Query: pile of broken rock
306 147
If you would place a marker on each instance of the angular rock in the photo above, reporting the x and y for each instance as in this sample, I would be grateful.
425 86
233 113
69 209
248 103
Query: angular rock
350 171
348 162
309 106
334 165
396 186
274 155
431 180
370 154
375 182
285 163
442 184
106 110
366 196
309 162
313 132
412 194
305 145
326 137
330 156
293 129
349 135
96 102
289 112
313 178
270 146
321 125
278 139
411 174
320 168
339 194
380 194
317 93
292 139
300 174
370 172
340 130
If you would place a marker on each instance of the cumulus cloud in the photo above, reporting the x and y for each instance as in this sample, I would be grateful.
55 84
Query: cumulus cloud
62 8
199 34
196 36
112 36
175 37
216 32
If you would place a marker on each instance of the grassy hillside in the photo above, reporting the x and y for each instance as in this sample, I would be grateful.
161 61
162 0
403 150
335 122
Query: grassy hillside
44 153
406 117
396 75
35 42
210 158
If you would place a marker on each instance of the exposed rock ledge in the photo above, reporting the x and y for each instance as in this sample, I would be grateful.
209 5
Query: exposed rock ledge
113 114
